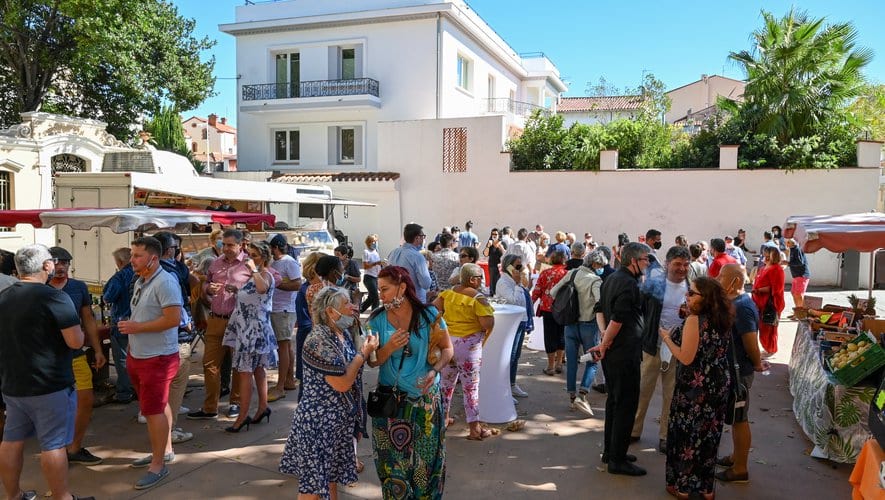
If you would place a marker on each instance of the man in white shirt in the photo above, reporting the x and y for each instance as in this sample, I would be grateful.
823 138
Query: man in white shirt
523 249
282 316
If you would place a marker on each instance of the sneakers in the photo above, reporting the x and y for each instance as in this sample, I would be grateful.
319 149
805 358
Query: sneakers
201 415
517 391
29 495
582 404
145 461
122 400
151 479
180 436
183 409
141 419
233 411
83 457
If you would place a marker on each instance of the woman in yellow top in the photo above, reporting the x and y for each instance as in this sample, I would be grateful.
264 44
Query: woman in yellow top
470 319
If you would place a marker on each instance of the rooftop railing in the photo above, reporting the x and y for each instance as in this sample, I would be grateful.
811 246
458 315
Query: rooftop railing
507 105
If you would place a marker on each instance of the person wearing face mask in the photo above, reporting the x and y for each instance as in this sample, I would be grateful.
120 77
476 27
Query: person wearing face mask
414 459
372 264
251 336
351 278
581 336
319 449
620 350
213 251
778 238
720 257
653 238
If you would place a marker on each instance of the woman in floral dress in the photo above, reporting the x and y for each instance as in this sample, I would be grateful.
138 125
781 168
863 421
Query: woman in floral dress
700 396
251 337
410 452
320 448
554 333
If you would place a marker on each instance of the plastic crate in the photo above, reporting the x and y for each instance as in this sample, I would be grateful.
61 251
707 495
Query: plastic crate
862 366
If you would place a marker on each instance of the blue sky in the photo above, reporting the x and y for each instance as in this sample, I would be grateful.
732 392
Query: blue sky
676 40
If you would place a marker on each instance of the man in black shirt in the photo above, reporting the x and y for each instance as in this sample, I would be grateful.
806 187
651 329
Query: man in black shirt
620 351
40 327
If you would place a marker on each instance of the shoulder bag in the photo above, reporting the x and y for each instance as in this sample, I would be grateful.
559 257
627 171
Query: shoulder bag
769 312
385 401
736 410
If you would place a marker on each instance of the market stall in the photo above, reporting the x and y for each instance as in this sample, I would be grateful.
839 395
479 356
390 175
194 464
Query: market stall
836 350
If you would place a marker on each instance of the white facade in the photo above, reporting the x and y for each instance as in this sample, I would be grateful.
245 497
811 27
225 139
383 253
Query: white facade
318 77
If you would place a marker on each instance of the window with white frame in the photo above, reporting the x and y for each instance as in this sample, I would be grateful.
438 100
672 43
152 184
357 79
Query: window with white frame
346 145
465 73
287 146
5 195
287 68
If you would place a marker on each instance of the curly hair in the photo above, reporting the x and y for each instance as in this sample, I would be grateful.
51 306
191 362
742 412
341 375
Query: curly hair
714 304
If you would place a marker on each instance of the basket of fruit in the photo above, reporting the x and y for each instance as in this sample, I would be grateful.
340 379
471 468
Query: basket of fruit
857 359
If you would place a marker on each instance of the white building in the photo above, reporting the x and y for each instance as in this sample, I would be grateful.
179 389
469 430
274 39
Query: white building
319 75
602 109
215 137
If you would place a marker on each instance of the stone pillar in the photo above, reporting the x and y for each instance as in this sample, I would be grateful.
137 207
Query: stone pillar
608 159
728 157
869 154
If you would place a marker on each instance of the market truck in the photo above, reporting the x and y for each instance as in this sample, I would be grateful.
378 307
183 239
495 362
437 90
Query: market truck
160 179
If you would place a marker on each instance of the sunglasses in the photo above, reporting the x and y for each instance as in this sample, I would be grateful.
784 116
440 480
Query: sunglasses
136 297
463 256
692 293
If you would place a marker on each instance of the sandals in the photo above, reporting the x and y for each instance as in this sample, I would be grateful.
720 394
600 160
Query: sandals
486 432
558 368
516 425
726 461
360 466
449 421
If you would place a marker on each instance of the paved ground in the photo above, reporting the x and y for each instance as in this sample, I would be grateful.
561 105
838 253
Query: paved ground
555 456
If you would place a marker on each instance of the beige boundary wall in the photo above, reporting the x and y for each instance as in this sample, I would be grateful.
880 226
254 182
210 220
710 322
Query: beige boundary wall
700 203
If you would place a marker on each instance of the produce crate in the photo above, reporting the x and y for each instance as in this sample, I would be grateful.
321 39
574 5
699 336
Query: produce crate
863 365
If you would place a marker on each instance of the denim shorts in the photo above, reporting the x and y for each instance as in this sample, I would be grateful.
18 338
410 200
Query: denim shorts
50 417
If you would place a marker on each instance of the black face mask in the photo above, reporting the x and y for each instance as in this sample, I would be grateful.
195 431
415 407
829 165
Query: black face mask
657 245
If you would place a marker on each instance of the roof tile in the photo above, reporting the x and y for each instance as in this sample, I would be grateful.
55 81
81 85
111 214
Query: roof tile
614 102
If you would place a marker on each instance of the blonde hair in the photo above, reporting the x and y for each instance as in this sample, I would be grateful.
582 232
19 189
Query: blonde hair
560 236
214 235
309 265
371 238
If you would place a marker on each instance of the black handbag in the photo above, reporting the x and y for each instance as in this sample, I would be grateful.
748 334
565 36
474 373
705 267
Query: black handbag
769 313
385 401
738 396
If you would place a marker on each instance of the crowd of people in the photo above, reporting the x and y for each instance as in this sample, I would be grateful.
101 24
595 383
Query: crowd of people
644 313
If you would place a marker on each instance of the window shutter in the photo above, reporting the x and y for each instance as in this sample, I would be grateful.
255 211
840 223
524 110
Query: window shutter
358 55
358 145
334 57
333 145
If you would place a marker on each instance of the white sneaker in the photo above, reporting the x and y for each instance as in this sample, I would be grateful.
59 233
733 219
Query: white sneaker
517 391
180 436
141 419
582 404
183 410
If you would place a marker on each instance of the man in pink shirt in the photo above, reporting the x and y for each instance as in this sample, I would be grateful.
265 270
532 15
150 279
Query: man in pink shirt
720 258
227 274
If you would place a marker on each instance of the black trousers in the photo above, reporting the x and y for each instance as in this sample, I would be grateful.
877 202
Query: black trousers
622 388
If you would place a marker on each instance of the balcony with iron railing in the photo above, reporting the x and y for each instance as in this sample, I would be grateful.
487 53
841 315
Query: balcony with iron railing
316 88
518 108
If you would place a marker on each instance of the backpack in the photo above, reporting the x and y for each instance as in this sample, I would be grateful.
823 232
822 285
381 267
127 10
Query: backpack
566 308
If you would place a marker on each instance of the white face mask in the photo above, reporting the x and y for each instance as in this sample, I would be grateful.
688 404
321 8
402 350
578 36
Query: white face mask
344 321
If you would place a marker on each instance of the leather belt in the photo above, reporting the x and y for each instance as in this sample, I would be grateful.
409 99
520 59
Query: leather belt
220 316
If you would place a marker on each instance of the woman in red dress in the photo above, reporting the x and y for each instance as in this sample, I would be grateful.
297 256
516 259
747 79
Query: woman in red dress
554 333
769 283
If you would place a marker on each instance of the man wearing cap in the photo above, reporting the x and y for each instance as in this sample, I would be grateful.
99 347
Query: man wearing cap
79 294
38 389
226 275
282 315
409 256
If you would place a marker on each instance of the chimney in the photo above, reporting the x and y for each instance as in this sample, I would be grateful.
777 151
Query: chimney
212 118
224 121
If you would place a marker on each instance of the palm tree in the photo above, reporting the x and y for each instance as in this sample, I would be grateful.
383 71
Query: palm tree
800 74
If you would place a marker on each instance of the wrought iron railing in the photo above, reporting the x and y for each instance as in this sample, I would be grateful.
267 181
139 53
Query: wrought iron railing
507 105
317 88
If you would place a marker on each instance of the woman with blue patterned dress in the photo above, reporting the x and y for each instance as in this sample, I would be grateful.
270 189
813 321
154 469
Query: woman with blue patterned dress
320 448
409 449
251 337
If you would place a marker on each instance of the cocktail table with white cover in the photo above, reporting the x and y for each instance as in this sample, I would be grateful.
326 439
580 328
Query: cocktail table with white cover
495 402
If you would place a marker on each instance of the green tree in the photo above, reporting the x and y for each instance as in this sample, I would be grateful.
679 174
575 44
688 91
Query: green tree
113 60
801 75
167 134
869 109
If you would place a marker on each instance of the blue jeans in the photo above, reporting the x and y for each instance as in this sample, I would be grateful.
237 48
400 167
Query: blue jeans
119 344
586 335
516 351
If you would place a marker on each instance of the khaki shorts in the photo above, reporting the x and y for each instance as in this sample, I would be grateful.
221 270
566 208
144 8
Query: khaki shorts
82 373
283 324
